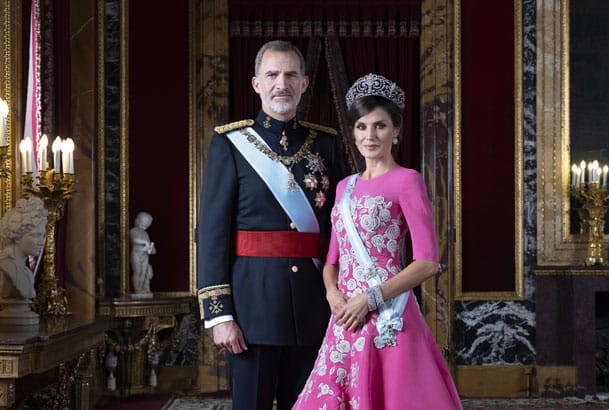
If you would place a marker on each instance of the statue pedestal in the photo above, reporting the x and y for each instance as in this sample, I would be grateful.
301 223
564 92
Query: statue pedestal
18 313
141 295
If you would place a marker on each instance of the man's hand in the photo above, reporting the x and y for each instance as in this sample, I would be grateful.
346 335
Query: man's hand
228 336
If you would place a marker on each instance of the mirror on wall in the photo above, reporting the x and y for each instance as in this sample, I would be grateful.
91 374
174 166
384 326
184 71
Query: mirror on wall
570 115
588 93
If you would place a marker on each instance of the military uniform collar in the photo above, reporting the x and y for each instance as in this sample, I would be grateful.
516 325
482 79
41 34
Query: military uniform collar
276 126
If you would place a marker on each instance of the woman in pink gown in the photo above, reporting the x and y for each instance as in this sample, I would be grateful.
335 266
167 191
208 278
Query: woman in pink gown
378 353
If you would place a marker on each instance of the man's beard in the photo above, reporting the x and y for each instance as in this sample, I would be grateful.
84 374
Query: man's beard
282 107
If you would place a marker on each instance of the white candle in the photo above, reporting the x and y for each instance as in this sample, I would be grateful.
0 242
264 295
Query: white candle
23 151
42 152
67 150
582 166
3 115
25 147
573 175
605 172
56 148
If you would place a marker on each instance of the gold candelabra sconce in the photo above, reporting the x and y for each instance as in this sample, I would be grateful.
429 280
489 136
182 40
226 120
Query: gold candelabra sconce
54 190
593 193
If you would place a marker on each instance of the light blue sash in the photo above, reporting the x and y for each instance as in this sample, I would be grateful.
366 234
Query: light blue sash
295 203
390 315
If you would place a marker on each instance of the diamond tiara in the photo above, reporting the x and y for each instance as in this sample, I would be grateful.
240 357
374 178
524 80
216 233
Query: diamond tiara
374 84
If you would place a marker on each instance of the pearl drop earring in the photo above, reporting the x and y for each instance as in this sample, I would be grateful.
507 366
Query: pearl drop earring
395 141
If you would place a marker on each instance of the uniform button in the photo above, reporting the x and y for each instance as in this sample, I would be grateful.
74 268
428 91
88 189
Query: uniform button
294 268
292 225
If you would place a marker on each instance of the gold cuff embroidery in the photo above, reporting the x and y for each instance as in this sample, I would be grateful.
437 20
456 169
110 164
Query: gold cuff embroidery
212 292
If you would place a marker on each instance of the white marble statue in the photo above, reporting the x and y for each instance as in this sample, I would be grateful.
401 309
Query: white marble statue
141 249
22 234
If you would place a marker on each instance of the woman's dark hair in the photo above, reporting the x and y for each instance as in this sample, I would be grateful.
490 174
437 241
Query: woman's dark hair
365 105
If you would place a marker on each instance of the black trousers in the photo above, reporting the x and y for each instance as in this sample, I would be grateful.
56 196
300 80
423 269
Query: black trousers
263 373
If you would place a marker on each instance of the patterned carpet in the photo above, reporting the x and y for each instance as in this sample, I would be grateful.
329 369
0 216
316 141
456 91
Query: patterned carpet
587 403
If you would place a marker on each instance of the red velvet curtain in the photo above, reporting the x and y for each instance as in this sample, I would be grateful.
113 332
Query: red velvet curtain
380 37
488 128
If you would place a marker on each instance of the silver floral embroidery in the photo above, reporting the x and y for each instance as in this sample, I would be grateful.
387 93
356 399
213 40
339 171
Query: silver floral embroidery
380 231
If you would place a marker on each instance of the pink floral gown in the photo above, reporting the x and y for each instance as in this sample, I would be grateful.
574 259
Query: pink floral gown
350 372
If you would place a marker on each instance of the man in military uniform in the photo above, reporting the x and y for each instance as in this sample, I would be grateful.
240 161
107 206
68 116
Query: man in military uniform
264 222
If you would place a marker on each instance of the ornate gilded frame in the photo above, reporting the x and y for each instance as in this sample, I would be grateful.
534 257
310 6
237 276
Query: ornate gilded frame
555 244
518 293
10 90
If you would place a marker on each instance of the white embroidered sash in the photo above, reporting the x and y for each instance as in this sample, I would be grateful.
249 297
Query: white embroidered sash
390 315
295 203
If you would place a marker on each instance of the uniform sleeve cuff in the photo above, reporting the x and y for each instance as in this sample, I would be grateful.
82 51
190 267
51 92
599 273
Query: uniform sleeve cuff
214 301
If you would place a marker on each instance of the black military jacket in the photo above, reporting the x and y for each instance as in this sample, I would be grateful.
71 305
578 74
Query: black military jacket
275 300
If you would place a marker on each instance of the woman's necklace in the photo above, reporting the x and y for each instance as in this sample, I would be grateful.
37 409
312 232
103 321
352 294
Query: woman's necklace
288 161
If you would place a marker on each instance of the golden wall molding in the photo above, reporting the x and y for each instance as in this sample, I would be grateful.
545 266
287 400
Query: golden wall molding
436 105
144 307
481 381
210 88
516 381
124 151
11 92
518 293
193 151
571 271
100 150
341 28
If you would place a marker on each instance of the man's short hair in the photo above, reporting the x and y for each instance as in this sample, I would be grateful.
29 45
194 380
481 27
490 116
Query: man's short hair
282 46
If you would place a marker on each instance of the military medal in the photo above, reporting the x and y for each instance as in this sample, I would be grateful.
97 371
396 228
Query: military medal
289 162
284 141
310 181
320 199
325 183
315 163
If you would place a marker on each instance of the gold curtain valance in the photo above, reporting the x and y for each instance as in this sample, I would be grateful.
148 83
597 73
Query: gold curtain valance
342 28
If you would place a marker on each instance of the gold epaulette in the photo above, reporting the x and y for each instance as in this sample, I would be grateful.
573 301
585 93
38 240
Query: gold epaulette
327 130
222 129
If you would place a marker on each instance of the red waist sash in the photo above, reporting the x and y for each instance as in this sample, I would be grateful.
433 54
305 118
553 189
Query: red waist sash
281 244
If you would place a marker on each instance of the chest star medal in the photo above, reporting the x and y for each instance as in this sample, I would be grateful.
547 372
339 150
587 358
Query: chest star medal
310 181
